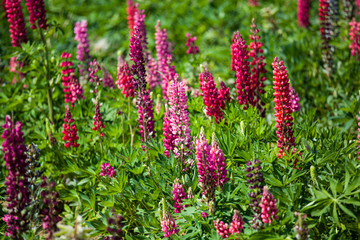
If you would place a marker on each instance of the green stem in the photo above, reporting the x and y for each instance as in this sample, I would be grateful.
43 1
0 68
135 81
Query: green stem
49 92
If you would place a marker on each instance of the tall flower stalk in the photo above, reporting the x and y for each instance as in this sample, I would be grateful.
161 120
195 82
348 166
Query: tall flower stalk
83 47
326 32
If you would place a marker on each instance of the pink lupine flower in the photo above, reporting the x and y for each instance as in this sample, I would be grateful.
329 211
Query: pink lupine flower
237 223
217 157
168 225
295 100
137 56
204 214
211 96
178 194
70 131
303 13
93 77
240 64
107 170
17 191
108 80
169 137
83 47
98 121
15 17
131 10
153 77
354 34
125 80
253 3
177 123
283 110
268 207
222 229
193 49
15 67
146 116
37 12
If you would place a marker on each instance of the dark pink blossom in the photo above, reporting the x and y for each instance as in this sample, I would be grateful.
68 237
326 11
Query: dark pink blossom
137 56
107 170
219 171
303 13
37 12
295 100
222 229
125 80
354 34
108 80
224 95
178 195
146 116
192 48
70 131
253 3
15 17
268 207
237 224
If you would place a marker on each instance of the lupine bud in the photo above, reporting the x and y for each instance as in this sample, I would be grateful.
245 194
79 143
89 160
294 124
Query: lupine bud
255 180
295 100
178 194
268 207
107 170
326 31
146 116
70 131
37 12
192 48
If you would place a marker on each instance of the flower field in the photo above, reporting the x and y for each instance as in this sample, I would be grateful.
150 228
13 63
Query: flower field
148 119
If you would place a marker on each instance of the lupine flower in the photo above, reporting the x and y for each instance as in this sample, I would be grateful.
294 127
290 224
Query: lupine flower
15 67
37 12
295 100
16 183
177 123
354 34
125 80
115 225
139 18
326 31
268 207
303 13
204 214
222 229
358 5
283 110
253 3
153 77
146 116
192 48
15 17
217 157
70 131
98 121
93 77
301 229
51 207
211 96
137 56
72 88
108 80
240 64
83 47
131 10
107 170
255 180
257 67
224 94
178 194
168 225
169 137
237 223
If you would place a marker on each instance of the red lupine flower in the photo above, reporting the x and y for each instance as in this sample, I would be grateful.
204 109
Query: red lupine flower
15 17
354 34
303 13
37 13
125 80
70 131
98 121
224 94
131 10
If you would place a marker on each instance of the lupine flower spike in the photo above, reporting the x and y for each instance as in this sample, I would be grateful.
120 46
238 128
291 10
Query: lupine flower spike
217 157
115 226
107 170
168 225
108 80
354 34
224 94
125 80
192 48
237 223
178 195
268 207
326 31
301 229
131 10
15 17
70 131
83 47
137 56
303 13
98 122
295 100
146 116
37 12
16 182
222 229
93 77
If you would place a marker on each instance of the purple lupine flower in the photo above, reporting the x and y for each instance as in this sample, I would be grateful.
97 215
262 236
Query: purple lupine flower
115 225
51 208
17 181
303 13
15 17
178 122
108 80
153 78
139 19
107 170
193 49
217 157
178 194
146 116
268 207
125 80
83 47
237 223
295 100
37 14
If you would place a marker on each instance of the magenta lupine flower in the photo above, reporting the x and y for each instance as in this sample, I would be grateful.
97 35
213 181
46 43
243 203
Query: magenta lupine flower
222 229
257 68
295 100
283 110
354 34
137 56
51 210
169 137
192 48
237 223
72 88
15 17
83 47
125 80
217 157
37 12
253 3
98 121
70 131
131 10
16 182
204 214
224 94
108 80
211 96
146 116
139 18
153 77
303 13
107 170
240 64
176 124
178 194
268 207
168 225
